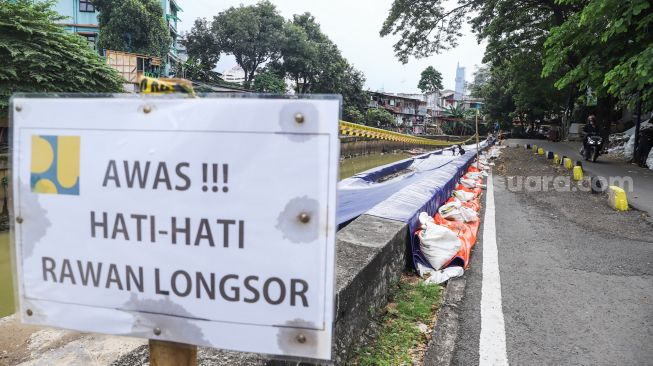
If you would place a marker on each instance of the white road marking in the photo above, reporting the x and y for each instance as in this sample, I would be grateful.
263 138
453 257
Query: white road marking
492 345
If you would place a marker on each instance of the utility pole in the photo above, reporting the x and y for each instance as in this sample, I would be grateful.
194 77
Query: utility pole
477 143
639 121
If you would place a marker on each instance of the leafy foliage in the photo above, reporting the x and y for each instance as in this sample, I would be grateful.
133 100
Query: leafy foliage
515 32
352 114
314 64
611 45
194 70
351 87
424 27
253 34
431 80
297 49
37 55
459 121
377 117
269 82
201 45
135 26
493 85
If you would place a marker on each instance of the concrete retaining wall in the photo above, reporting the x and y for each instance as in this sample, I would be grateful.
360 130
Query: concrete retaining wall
370 256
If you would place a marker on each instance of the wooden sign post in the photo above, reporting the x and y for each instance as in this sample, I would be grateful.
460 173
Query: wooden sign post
163 353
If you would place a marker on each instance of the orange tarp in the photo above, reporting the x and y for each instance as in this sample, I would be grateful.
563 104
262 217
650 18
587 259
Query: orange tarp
466 231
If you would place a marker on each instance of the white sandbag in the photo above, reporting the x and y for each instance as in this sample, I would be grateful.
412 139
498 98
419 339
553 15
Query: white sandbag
471 183
457 212
475 175
649 160
438 243
468 183
629 148
439 276
463 196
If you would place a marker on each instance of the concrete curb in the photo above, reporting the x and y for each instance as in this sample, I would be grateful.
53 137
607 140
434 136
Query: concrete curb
439 351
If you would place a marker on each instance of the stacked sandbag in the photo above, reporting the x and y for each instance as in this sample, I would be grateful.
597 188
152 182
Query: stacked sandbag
459 216
438 243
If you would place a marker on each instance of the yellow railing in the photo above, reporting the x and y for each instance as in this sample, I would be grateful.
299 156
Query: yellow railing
154 86
353 129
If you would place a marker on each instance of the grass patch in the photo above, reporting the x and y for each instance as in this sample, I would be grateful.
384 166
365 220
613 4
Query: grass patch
414 302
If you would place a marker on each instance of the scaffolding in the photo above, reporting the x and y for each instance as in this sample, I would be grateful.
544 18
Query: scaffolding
133 66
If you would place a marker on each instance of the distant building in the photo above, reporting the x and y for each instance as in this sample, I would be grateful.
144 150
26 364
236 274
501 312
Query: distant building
82 18
234 75
171 12
409 112
182 52
431 108
460 83
447 98
472 103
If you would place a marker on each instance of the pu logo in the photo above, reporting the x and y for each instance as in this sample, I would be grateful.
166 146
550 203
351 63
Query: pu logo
55 165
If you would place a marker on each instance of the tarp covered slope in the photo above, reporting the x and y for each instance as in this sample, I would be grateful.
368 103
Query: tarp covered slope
430 182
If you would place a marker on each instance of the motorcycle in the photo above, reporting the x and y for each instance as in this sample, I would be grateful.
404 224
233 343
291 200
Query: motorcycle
593 147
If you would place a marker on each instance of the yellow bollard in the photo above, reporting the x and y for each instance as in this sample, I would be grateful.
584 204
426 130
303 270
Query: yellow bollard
578 173
556 159
617 198
567 162
540 151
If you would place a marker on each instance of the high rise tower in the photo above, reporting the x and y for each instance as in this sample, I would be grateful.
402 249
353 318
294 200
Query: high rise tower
460 83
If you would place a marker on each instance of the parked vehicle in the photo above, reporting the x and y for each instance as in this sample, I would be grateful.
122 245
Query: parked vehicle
555 133
543 131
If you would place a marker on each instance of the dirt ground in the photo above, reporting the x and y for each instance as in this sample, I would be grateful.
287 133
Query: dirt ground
576 202
30 345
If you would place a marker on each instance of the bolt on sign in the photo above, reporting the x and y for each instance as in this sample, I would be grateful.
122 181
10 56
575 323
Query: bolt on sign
208 221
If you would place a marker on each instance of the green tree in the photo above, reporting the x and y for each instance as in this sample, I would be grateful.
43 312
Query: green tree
38 55
315 64
493 85
194 70
515 32
252 34
352 114
424 27
481 78
458 121
455 111
431 80
201 45
611 45
300 56
351 87
269 82
377 117
135 26
309 58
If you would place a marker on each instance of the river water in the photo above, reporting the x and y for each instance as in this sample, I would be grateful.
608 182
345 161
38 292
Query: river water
351 166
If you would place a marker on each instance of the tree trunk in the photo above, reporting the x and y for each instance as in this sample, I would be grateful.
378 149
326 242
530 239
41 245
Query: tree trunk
604 109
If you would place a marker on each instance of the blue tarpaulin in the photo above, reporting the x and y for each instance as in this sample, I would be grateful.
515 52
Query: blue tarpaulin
428 182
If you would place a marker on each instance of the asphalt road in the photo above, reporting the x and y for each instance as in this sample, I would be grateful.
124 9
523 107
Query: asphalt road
576 277
641 196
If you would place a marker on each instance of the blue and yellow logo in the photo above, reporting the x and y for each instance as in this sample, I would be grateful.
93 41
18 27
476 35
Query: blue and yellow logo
55 164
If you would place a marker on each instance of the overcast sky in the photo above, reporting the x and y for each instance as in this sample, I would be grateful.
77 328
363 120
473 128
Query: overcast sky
354 26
